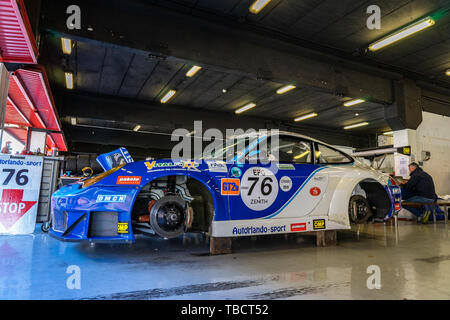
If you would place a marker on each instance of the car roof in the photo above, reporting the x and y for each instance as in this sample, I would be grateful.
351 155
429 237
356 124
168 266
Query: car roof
292 134
280 132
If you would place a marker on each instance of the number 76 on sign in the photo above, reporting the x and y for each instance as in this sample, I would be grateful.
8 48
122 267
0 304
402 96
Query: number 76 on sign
23 173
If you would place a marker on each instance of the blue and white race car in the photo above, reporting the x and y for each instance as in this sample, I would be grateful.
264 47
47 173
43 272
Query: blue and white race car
305 185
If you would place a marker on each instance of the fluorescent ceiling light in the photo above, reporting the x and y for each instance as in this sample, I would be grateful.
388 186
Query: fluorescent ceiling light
168 96
192 71
285 89
73 121
389 133
447 72
258 5
69 80
307 116
361 124
136 128
66 45
246 107
353 102
402 33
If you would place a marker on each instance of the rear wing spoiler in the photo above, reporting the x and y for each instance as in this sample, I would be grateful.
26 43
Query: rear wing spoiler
381 151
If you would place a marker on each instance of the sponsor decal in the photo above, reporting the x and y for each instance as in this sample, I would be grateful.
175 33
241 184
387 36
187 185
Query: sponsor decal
259 172
129 180
236 172
122 227
21 163
405 150
314 191
126 155
189 165
111 198
285 166
258 230
229 187
217 166
157 165
397 206
319 224
298 227
396 191
184 164
285 184
259 188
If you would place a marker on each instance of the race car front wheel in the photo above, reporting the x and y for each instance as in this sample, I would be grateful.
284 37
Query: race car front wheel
168 216
359 209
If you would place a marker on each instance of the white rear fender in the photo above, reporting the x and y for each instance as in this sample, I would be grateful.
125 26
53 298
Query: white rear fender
348 181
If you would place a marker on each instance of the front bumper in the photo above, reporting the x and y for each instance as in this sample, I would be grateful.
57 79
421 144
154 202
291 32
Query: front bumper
79 215
100 226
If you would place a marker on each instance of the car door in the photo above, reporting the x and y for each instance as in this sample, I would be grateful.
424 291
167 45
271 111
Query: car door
266 188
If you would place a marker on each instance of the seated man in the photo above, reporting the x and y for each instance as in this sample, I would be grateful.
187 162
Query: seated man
419 188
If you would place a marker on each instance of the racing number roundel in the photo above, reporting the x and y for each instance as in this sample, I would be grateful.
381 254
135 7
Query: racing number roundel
259 188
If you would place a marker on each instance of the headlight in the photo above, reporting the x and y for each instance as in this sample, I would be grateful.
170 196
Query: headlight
89 182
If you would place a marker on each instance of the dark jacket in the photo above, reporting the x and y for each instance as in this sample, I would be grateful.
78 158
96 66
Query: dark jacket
420 184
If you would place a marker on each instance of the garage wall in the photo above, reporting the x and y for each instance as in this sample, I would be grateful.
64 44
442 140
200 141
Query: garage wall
433 135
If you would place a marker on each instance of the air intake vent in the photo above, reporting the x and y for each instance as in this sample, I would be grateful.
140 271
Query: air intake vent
65 220
103 224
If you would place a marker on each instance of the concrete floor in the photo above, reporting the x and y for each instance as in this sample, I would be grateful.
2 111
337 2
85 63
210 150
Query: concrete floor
414 263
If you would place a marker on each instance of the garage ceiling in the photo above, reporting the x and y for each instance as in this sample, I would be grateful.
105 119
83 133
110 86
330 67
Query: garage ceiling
328 27
341 25
114 71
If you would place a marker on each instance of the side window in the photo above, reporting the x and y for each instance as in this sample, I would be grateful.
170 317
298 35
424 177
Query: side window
325 155
292 150
257 152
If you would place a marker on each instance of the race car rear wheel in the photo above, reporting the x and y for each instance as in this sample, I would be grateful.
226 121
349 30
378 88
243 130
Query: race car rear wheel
359 209
168 216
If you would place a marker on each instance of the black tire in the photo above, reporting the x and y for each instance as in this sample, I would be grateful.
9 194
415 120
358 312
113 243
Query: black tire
359 210
168 206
